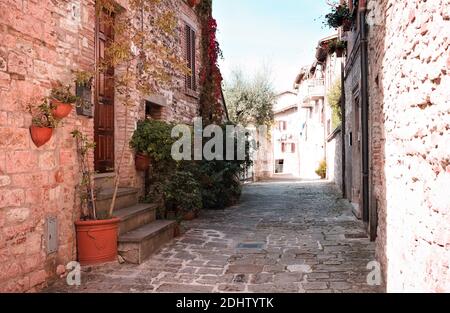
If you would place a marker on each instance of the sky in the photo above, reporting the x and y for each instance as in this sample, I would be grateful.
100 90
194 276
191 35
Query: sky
279 34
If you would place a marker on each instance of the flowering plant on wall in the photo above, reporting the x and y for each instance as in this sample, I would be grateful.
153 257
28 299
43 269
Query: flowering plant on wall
210 76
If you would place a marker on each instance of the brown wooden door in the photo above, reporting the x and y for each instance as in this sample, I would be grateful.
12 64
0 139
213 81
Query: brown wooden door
104 100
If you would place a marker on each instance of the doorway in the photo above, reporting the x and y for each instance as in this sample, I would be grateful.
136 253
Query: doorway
104 97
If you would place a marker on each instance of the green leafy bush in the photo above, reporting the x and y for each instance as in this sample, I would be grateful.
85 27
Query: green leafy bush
182 193
153 138
322 170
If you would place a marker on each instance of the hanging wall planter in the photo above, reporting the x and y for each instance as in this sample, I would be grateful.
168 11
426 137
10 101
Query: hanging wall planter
40 135
62 100
61 109
43 123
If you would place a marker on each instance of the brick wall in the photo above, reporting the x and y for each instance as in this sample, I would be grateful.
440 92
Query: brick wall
409 86
42 41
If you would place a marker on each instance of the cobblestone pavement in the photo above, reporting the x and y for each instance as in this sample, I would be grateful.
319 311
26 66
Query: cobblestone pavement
308 239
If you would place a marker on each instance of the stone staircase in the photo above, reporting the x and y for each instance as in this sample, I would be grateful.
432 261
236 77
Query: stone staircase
140 234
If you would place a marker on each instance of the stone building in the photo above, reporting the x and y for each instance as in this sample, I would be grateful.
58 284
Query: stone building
285 134
397 117
44 41
319 134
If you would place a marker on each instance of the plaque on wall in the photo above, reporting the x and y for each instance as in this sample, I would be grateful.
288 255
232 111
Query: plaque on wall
84 107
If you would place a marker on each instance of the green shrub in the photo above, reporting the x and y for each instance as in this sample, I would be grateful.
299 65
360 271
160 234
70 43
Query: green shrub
322 170
182 193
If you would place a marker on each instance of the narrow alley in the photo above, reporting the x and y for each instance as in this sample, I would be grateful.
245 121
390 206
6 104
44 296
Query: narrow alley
284 236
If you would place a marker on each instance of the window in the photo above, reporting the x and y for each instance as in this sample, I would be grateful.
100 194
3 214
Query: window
282 125
190 48
292 147
153 111
283 147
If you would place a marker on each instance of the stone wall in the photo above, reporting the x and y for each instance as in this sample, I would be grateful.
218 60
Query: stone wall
334 157
42 41
409 86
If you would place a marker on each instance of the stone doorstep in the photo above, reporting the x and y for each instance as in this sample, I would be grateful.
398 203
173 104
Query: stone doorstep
135 216
126 197
136 245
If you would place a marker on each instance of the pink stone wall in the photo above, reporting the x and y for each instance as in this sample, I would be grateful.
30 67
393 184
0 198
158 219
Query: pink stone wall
409 86
42 41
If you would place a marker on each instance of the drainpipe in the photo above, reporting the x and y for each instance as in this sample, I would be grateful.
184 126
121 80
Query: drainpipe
364 111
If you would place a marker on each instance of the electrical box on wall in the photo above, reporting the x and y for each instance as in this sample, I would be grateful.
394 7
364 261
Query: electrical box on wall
51 234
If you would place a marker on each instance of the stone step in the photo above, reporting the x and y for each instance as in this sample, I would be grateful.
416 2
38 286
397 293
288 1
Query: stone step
126 197
135 216
137 245
104 181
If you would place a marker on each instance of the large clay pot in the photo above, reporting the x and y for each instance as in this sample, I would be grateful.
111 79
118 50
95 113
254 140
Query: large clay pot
40 135
97 241
189 216
61 110
142 162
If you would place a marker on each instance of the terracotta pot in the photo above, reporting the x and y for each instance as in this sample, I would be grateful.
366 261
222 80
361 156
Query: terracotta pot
40 135
97 241
193 3
189 216
61 110
177 230
142 162
347 24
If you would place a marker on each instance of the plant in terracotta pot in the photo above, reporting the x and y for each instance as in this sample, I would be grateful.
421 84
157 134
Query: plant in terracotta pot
96 233
43 122
193 3
340 15
62 99
340 48
182 195
140 143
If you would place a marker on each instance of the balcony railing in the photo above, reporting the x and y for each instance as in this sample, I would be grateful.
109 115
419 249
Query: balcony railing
315 90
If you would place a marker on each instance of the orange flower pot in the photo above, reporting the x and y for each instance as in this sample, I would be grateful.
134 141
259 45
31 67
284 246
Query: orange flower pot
142 162
97 241
40 135
61 110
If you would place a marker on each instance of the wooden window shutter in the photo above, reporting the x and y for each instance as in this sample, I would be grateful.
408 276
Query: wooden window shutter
190 38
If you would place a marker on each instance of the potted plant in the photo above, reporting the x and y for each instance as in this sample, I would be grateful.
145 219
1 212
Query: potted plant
140 143
96 233
340 15
182 195
193 3
340 47
322 169
63 100
43 123
83 82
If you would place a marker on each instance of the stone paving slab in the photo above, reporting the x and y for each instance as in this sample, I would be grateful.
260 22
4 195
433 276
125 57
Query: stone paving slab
310 242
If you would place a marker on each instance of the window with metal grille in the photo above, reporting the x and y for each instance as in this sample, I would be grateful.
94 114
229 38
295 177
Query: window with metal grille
190 37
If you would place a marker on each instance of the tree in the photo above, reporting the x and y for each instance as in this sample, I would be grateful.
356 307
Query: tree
334 100
250 102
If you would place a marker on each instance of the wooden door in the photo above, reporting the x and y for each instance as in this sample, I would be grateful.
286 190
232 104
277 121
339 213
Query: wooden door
104 99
